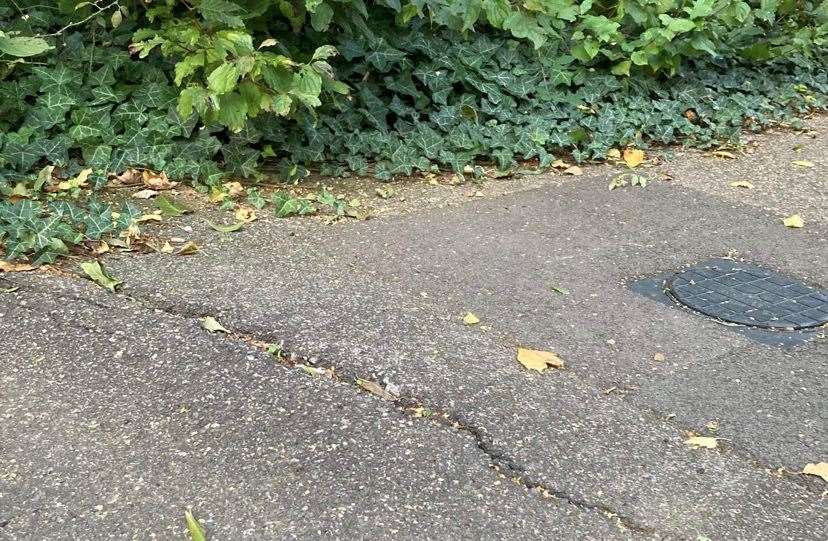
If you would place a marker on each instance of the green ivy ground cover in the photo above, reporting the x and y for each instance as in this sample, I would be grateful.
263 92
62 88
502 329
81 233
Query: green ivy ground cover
207 90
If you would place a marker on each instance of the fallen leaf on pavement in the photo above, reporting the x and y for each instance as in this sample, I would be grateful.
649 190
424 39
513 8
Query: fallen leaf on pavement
820 470
560 164
170 208
167 248
471 319
7 266
559 290
156 181
9 289
98 274
618 182
245 214
724 154
702 441
574 170
794 220
145 194
376 389
211 325
101 248
149 218
194 527
538 360
233 188
659 357
226 228
803 163
741 184
633 157
188 249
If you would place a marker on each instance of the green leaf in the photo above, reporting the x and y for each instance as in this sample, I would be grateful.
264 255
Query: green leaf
622 68
222 80
221 11
226 228
98 274
22 46
170 208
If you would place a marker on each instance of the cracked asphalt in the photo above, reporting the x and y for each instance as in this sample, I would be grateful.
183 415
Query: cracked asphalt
118 412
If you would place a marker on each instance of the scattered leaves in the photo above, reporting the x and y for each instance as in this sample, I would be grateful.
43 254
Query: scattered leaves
538 360
98 274
471 319
741 184
633 157
211 325
702 441
794 221
819 469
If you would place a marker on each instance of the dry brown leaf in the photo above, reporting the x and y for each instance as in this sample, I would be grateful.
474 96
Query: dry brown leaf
471 319
376 389
101 248
741 184
233 188
794 220
574 170
156 181
819 469
188 249
633 157
702 441
130 176
245 214
538 360
145 194
8 266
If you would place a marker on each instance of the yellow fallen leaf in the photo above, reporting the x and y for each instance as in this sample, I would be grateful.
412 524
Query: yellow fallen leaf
76 182
724 154
212 326
145 194
659 357
148 218
803 163
560 164
471 319
167 248
102 248
245 214
233 188
633 157
614 153
741 184
538 360
574 170
820 470
702 441
188 249
7 266
794 220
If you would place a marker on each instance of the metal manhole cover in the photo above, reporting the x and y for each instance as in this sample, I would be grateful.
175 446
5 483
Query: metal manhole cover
749 295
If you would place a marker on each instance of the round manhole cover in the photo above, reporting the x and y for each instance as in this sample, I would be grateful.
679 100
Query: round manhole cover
749 295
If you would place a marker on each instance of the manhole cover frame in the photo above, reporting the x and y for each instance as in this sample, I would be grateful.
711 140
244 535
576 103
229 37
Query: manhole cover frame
757 280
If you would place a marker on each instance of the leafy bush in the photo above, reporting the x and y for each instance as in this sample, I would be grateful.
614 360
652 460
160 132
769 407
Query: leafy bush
206 88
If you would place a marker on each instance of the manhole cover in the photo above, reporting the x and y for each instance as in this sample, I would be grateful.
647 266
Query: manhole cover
749 295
